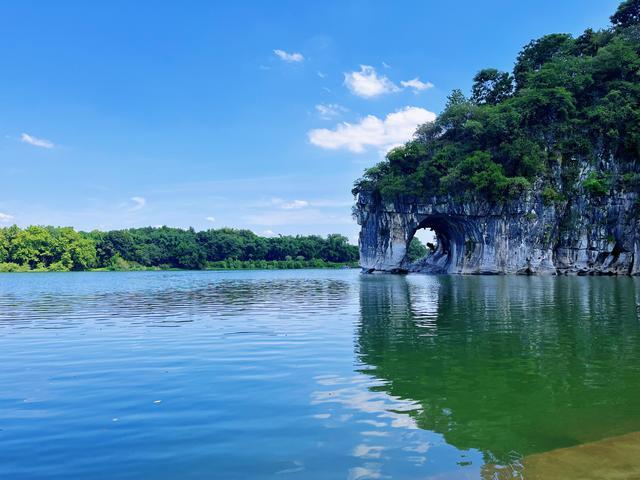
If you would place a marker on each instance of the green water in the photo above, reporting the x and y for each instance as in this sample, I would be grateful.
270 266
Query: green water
509 366
309 374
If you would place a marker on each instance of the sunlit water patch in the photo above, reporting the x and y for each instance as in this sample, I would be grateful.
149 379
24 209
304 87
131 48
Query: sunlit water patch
309 374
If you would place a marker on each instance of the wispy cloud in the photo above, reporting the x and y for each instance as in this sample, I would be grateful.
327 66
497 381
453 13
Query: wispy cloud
289 57
331 203
296 204
383 134
210 219
35 141
5 217
416 85
289 205
367 83
328 111
296 217
318 203
138 203
322 75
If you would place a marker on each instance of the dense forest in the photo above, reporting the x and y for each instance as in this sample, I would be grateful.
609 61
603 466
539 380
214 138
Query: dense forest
568 101
42 248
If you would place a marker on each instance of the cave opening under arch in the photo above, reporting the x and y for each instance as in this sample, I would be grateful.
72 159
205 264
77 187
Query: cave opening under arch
447 238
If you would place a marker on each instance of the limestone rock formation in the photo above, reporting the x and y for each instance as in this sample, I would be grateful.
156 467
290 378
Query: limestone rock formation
584 235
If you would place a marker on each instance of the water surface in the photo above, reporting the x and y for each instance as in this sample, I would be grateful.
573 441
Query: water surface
309 374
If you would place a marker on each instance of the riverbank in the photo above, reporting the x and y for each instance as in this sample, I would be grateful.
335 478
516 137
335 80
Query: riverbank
211 266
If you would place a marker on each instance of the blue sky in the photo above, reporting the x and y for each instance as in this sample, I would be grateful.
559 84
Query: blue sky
253 115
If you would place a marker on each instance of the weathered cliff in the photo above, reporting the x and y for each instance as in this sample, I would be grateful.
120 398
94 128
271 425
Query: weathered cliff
583 234
536 172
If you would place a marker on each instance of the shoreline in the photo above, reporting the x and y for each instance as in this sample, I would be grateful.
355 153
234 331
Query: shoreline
345 266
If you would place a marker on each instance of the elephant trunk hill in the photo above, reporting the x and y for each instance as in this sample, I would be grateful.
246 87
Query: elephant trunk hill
536 172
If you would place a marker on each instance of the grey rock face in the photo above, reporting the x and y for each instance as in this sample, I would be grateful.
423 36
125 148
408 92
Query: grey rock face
583 235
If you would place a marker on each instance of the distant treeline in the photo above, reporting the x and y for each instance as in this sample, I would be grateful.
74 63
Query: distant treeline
44 248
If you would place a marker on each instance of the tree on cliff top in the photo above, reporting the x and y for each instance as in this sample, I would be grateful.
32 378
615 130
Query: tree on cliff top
569 100
628 14
491 86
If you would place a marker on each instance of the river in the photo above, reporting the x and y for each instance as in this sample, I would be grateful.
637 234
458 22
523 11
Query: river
310 374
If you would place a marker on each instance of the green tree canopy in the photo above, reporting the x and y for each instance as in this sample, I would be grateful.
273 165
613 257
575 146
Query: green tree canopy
64 249
628 14
491 86
575 100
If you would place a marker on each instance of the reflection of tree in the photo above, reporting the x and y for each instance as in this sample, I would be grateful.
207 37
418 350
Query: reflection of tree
507 364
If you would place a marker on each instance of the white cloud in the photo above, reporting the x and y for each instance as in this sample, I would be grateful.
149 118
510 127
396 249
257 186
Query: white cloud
36 142
386 65
5 217
383 134
322 75
330 203
304 217
268 233
138 203
296 204
282 204
416 84
292 205
367 83
210 219
329 110
289 57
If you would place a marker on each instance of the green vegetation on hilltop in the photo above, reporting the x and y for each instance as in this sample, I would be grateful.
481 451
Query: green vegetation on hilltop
40 248
568 99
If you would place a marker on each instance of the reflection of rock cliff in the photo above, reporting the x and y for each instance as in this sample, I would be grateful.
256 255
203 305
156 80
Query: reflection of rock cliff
524 365
584 236
536 171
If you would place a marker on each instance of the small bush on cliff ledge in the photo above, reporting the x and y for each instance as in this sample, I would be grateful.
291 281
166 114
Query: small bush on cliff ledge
596 184
567 100
550 195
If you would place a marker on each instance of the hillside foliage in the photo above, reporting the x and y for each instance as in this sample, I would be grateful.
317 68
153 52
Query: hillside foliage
568 99
43 248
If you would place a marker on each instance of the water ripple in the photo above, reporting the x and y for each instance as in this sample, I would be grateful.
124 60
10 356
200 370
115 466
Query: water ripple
308 374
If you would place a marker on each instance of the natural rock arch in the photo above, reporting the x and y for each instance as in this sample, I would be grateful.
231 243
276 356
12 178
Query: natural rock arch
452 236
523 236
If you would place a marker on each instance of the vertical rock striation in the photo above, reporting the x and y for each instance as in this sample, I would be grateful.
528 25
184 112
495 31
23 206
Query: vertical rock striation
584 234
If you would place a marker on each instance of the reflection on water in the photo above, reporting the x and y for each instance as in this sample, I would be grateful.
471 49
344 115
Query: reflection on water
164 305
510 366
310 374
